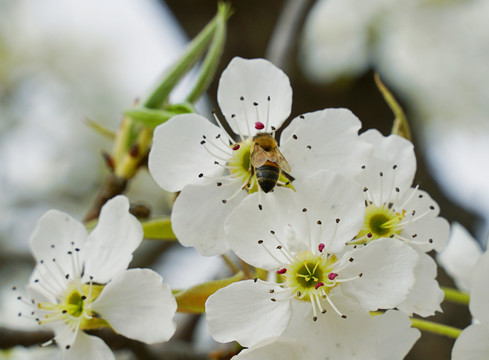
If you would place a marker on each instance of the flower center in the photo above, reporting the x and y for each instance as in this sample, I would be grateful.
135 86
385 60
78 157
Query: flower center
380 222
74 308
308 276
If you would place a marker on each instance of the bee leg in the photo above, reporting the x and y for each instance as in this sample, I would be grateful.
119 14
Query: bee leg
247 185
288 176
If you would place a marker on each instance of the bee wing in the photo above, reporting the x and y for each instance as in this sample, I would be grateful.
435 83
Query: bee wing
279 159
258 156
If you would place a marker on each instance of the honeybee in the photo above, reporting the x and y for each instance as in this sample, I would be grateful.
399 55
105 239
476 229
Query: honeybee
267 162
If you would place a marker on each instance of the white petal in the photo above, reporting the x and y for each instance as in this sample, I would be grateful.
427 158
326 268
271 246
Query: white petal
472 343
110 245
87 347
255 81
460 256
335 209
199 214
425 296
395 335
312 212
177 157
276 348
52 239
326 139
429 233
479 291
138 305
244 312
387 266
394 158
247 225
357 337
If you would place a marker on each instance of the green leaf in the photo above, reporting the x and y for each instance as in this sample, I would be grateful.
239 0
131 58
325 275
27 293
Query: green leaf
213 56
400 126
149 117
193 300
189 58
158 229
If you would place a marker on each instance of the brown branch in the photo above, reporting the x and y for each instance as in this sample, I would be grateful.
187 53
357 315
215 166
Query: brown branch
113 186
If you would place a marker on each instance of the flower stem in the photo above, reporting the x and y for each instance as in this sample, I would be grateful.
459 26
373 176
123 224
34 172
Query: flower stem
230 263
400 126
456 296
436 328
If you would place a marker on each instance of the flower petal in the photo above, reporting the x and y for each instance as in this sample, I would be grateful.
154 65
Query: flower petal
472 343
335 209
55 235
244 312
359 336
460 256
426 296
326 139
178 157
395 335
429 233
479 291
309 215
87 347
110 245
276 348
199 213
387 268
250 238
256 81
138 305
394 158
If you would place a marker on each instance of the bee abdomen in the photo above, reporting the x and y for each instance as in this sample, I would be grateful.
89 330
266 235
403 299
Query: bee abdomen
267 176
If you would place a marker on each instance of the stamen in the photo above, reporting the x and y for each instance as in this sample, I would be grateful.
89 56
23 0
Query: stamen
326 297
313 303
268 113
260 242
221 126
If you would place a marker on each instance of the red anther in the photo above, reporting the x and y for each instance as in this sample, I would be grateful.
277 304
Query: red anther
321 247
332 276
369 235
259 126
236 147
318 285
282 271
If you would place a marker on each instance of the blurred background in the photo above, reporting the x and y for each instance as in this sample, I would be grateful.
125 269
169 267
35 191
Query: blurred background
62 62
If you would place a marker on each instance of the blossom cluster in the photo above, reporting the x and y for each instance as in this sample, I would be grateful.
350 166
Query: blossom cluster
331 215
328 220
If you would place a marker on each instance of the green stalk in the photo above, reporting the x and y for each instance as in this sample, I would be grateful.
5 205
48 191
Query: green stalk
192 54
456 296
213 56
435 328
400 126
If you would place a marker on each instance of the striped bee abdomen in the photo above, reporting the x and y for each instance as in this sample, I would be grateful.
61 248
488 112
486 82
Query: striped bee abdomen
267 175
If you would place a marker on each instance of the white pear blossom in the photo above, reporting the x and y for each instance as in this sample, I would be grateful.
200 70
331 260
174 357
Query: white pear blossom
389 337
81 282
460 256
472 343
212 167
301 235
394 209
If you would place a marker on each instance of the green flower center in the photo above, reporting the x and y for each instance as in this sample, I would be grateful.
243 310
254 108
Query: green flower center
309 272
74 308
380 222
